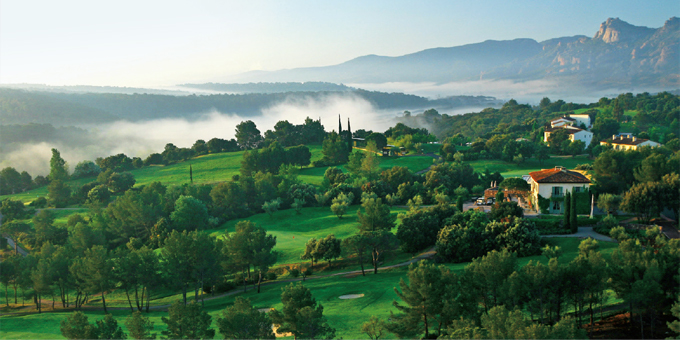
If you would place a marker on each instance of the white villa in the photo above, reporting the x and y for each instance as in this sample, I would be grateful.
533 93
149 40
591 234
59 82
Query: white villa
574 133
553 184
626 141
572 120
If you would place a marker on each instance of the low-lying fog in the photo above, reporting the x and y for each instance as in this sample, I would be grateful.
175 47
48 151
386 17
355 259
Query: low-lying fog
139 139
530 92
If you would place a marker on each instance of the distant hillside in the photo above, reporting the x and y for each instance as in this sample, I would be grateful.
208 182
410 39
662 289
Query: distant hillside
92 89
63 109
619 55
311 86
22 107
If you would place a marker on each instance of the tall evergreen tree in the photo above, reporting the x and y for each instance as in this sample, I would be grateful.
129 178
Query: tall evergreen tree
58 167
567 209
349 137
573 220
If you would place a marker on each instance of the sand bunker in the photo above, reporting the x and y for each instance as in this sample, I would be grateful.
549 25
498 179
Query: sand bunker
351 296
274 328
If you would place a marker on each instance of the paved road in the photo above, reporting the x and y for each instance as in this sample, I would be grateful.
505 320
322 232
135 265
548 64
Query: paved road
20 250
586 232
369 271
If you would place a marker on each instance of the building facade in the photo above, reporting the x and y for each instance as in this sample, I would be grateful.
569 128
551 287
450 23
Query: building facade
553 184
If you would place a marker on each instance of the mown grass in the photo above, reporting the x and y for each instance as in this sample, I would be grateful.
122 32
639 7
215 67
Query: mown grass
508 169
220 167
344 315
292 231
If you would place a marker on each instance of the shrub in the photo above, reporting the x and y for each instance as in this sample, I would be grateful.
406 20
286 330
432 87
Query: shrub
224 286
549 227
294 272
501 210
606 225
39 202
271 276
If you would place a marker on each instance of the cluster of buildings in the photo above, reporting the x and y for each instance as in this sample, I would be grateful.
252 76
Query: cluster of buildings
577 126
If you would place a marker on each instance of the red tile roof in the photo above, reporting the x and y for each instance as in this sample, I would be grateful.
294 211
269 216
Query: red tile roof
558 175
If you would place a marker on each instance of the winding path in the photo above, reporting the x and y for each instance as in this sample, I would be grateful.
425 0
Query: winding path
427 254
586 232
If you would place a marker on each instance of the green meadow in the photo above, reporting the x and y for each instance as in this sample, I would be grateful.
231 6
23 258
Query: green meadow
346 316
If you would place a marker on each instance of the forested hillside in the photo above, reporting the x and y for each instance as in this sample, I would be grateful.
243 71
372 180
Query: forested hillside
22 107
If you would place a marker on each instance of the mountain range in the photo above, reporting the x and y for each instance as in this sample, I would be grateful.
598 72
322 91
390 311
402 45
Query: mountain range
619 55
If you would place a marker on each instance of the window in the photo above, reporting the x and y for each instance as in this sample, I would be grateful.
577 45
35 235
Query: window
577 189
557 191
556 205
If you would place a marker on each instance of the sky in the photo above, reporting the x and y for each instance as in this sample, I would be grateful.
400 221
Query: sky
163 43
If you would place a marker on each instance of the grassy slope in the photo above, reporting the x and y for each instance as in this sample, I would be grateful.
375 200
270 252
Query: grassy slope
515 170
345 315
292 231
221 167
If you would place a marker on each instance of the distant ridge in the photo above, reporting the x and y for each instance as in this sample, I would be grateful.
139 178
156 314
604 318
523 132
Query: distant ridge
311 86
618 55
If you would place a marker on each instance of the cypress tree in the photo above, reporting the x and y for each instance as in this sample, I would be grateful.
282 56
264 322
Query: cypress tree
191 174
349 137
572 215
339 126
567 209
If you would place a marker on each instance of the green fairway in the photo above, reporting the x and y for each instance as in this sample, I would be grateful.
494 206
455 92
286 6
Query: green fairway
292 231
346 316
221 167
516 170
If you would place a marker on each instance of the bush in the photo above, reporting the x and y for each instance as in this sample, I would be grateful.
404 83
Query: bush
224 286
271 276
39 202
501 210
606 225
294 272
549 227
309 272
586 221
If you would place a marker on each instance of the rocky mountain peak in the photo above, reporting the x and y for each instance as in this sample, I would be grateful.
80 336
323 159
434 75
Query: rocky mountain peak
616 30
671 24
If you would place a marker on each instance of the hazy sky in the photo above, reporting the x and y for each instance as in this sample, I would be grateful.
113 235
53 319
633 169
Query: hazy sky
159 43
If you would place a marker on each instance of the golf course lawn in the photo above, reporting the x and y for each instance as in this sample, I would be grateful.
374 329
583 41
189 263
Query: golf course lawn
221 167
346 316
292 231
